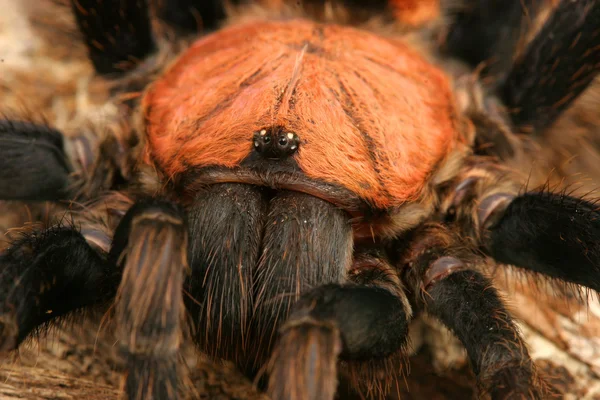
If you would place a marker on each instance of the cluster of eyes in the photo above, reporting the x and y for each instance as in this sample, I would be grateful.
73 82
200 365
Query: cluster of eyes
283 139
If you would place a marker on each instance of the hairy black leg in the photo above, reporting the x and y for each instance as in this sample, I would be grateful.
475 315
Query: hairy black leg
447 286
549 233
33 163
361 9
488 31
364 321
151 242
307 243
192 15
226 224
46 275
368 5
118 33
558 65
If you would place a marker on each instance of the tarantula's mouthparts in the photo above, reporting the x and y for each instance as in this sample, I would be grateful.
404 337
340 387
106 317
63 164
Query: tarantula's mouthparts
276 143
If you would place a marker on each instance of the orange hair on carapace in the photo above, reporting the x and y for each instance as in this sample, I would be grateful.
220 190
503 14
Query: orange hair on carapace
372 115
415 12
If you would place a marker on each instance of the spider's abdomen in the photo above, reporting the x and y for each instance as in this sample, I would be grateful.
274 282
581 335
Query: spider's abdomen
370 114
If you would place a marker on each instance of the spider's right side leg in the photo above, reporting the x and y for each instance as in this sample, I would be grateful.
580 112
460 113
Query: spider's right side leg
151 246
49 274
40 163
33 162
46 275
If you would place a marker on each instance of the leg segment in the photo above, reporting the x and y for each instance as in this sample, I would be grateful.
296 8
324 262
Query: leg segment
360 322
549 233
33 163
191 15
46 275
226 224
118 33
149 305
558 65
465 301
307 243
489 31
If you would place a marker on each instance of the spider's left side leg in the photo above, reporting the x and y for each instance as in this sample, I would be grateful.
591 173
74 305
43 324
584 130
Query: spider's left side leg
558 65
445 281
549 233
488 31
151 244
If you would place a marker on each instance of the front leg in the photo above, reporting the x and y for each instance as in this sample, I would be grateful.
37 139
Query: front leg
33 162
151 246
553 234
46 275
363 322
548 233
443 276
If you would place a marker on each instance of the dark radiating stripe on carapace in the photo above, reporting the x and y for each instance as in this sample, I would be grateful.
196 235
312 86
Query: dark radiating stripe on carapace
118 33
557 67
374 155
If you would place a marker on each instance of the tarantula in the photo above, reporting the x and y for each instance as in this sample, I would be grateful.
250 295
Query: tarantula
292 187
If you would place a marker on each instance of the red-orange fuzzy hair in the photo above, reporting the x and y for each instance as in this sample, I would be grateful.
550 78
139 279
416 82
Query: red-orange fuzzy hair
372 115
415 12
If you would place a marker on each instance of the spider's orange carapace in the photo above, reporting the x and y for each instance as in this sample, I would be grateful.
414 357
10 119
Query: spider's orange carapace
373 116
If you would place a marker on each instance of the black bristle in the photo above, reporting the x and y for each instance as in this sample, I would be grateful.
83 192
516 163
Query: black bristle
118 33
559 64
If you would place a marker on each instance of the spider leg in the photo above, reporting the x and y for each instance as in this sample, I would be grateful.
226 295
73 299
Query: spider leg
488 31
549 233
39 163
553 234
49 274
361 321
366 5
447 285
191 15
559 64
151 245
46 275
118 33
33 163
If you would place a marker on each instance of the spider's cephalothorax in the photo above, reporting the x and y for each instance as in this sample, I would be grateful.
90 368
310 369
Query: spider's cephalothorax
308 185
